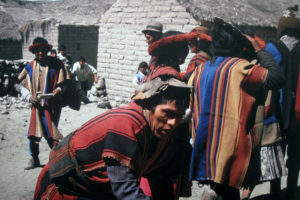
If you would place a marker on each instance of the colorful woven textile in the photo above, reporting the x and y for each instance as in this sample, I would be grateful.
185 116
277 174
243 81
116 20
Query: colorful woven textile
222 103
195 61
44 80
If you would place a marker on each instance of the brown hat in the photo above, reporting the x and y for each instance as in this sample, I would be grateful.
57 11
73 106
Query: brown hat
201 29
153 26
157 86
289 19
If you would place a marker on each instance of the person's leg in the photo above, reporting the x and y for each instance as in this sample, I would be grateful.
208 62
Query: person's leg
84 88
56 115
246 192
292 180
293 162
34 152
225 192
46 189
275 189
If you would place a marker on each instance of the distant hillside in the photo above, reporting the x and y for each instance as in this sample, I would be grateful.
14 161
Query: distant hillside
66 11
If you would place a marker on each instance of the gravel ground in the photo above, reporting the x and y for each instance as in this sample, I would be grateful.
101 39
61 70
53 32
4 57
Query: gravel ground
18 184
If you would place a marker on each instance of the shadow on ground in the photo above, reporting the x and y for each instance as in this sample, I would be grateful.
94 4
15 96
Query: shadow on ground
282 196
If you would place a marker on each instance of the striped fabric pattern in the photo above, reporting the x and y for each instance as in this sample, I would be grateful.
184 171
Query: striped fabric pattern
162 70
195 61
222 103
118 135
42 79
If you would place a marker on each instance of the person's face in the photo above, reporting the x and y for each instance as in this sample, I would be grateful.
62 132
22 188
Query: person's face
41 55
62 52
165 118
53 54
152 37
81 63
143 70
149 38
182 56
193 46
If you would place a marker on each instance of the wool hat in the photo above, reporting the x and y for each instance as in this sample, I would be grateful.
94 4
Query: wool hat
172 39
289 20
153 26
204 43
157 86
228 39
201 29
38 44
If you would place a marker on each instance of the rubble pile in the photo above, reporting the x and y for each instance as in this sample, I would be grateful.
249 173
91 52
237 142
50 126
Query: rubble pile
9 71
98 94
9 102
9 96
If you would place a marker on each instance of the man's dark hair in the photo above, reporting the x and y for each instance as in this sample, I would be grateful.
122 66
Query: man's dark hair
53 51
203 45
81 58
156 35
228 39
62 48
224 43
143 64
291 32
180 96
169 54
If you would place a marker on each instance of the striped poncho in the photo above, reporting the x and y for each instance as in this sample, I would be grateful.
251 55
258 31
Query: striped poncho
222 103
122 136
43 79
196 60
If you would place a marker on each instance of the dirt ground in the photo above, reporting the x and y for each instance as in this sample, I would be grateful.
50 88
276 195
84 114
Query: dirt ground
18 184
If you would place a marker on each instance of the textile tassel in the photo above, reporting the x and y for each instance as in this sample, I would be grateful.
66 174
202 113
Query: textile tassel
297 102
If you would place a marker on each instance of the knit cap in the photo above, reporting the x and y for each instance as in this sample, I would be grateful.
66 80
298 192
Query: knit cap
289 20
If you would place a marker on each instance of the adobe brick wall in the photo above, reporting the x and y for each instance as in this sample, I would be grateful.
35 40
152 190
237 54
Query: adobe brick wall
48 30
122 45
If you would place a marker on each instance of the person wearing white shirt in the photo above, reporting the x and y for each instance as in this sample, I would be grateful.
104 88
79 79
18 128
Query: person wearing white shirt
83 73
138 78
64 57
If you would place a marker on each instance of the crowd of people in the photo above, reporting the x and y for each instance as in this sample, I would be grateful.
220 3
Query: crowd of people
224 123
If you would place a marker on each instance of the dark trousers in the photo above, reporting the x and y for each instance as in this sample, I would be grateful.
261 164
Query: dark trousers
293 162
84 87
83 91
34 146
225 192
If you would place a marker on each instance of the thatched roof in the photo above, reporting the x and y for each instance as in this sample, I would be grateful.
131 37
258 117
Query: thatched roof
64 11
8 27
263 13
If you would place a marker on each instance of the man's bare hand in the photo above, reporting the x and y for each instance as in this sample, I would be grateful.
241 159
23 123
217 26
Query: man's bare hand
254 43
56 92
34 100
95 78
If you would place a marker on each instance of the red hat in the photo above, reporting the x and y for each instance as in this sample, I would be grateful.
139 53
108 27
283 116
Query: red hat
179 38
39 44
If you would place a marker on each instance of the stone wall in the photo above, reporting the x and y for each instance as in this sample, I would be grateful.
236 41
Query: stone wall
47 29
122 45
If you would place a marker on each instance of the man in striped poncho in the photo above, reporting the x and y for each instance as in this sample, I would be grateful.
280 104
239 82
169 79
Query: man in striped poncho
107 156
45 75
225 90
